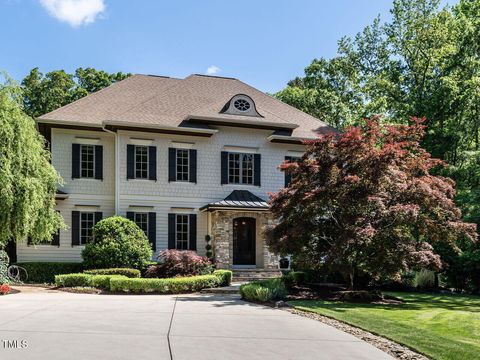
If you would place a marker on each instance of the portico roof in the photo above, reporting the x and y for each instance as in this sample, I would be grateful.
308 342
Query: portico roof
238 199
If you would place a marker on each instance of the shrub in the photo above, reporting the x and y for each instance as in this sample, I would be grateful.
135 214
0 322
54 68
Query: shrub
264 290
294 278
131 273
424 279
72 280
44 272
118 242
179 263
86 280
225 277
164 286
4 289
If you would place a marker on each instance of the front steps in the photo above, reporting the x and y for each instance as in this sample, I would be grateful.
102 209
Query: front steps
254 274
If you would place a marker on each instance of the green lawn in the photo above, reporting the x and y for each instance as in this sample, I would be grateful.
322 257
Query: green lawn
439 326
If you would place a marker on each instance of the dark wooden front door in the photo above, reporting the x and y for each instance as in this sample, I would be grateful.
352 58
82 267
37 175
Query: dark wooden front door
244 229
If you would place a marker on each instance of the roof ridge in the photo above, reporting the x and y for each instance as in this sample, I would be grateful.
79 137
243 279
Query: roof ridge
215 76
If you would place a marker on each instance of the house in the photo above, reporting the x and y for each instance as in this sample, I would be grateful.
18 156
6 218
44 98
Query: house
183 158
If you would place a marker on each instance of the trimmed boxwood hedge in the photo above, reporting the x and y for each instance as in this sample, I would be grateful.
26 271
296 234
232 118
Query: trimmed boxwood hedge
131 273
165 286
44 272
225 276
86 280
264 290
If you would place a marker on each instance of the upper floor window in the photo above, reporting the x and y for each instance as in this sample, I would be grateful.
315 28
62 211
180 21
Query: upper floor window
87 222
288 177
141 162
240 168
182 165
87 161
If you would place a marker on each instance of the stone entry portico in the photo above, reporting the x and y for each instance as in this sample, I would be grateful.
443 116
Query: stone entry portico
222 236
239 204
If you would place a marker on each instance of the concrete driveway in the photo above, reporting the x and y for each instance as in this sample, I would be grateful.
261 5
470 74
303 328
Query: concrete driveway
52 326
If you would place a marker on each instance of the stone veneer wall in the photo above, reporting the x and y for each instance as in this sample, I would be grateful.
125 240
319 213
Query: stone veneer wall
222 236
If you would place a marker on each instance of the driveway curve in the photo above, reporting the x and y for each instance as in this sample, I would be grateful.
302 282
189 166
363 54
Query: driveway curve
45 325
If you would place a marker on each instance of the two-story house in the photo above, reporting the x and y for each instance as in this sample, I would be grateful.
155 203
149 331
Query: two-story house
183 158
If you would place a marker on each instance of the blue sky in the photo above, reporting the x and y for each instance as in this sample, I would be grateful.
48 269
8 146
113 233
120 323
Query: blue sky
264 43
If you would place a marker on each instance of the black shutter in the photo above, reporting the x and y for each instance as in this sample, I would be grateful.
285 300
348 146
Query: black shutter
171 231
75 161
98 216
193 232
130 161
224 167
75 228
152 163
152 229
172 166
131 215
56 238
256 169
288 177
193 165
99 162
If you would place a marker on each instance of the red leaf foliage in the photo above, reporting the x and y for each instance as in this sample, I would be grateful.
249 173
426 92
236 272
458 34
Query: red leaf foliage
366 200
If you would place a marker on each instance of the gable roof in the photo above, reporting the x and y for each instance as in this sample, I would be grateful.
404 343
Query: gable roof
155 101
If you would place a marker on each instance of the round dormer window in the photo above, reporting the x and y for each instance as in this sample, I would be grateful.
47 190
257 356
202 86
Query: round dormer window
241 105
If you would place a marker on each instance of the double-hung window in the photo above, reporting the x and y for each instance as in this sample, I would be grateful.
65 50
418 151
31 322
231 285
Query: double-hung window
182 225
141 219
87 222
87 161
141 162
240 168
182 165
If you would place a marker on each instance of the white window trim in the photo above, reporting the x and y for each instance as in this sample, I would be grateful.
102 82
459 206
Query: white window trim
80 227
94 162
241 169
188 230
135 163
188 165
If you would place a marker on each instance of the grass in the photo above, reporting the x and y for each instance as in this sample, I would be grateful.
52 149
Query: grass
439 326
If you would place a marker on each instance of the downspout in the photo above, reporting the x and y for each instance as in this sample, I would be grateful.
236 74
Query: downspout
117 169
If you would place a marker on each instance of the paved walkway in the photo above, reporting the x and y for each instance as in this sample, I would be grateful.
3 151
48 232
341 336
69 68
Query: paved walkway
208 326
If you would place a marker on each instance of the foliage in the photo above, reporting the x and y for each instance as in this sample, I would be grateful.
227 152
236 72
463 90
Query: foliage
86 280
28 181
131 273
44 272
264 290
179 263
176 285
225 277
294 278
4 261
118 242
367 202
443 327
4 289
424 279
424 62
45 93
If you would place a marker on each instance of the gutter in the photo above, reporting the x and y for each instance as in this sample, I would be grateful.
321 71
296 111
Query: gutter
117 169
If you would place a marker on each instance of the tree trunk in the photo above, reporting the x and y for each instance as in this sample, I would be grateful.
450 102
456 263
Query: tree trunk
351 276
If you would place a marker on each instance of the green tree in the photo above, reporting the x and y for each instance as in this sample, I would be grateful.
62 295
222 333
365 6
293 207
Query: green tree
45 93
28 182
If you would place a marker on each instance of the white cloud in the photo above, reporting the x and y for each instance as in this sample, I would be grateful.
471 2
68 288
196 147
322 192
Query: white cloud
74 12
212 69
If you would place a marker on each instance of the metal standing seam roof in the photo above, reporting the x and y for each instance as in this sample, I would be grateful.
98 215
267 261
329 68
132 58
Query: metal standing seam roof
242 199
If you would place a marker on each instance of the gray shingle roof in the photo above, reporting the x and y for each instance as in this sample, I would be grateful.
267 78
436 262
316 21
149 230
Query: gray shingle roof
145 100
242 199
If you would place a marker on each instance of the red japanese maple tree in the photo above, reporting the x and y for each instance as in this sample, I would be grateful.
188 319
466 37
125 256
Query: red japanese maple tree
365 201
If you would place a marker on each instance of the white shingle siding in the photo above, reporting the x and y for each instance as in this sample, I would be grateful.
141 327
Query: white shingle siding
160 195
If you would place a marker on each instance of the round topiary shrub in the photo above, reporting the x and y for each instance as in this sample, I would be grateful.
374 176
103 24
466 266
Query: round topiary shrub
117 243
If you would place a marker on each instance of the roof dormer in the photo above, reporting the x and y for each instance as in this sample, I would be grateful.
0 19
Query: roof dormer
241 104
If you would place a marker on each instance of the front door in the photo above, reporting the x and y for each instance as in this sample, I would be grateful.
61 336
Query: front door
244 241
